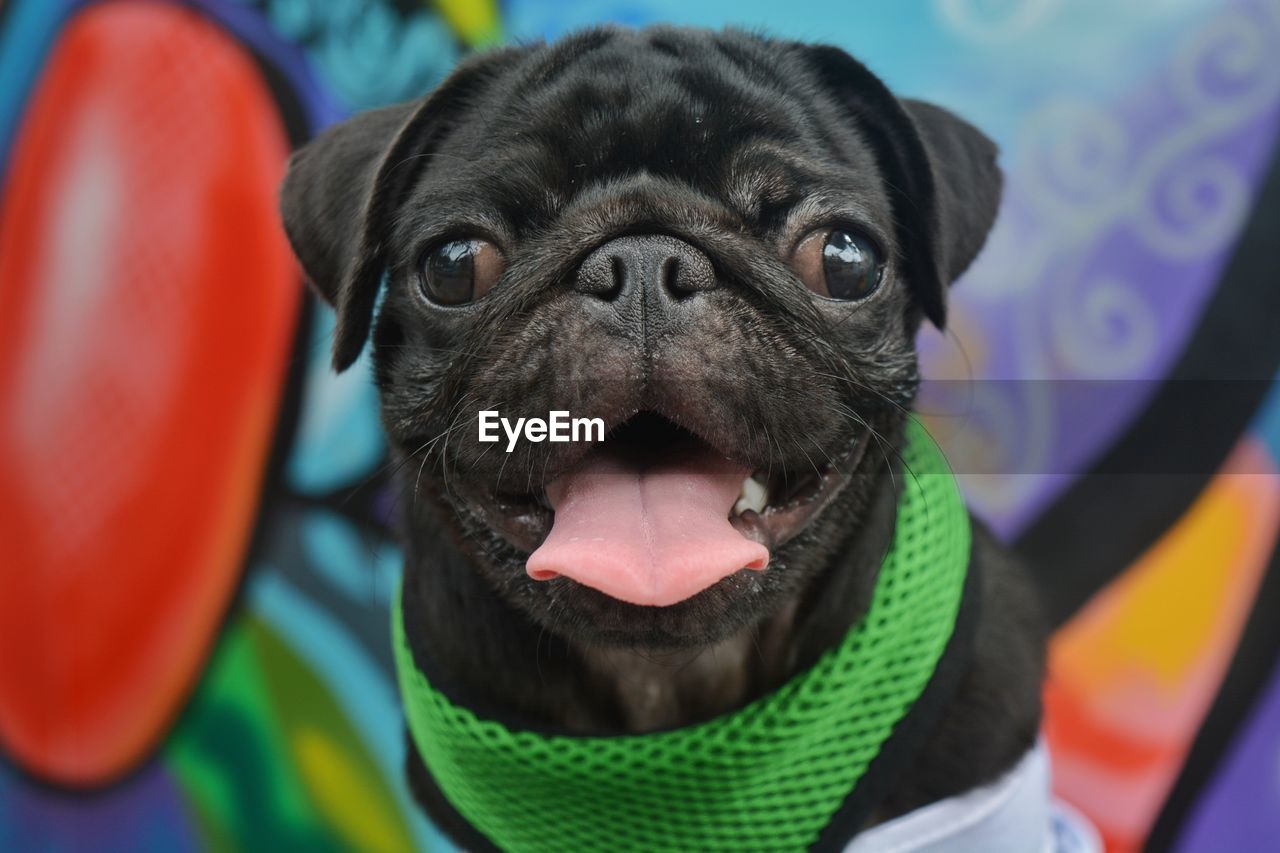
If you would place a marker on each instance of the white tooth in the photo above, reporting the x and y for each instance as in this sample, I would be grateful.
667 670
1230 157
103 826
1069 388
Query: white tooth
753 496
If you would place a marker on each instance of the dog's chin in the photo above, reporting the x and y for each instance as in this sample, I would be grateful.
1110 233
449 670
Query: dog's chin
773 507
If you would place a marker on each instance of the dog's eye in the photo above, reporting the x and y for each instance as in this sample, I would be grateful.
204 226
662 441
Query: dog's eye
461 270
838 264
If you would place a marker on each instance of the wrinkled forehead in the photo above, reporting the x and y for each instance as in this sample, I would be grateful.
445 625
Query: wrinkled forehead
739 125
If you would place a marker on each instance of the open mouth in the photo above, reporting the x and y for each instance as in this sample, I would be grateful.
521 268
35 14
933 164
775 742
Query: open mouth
655 514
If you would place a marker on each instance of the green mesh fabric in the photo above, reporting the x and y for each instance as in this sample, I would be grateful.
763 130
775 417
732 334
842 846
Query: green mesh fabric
767 777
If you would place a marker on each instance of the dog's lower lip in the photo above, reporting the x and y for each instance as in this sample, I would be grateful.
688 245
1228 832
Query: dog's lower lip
781 521
522 522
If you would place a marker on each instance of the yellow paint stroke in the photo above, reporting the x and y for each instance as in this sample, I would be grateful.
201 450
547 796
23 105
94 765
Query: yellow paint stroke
343 794
1182 605
475 21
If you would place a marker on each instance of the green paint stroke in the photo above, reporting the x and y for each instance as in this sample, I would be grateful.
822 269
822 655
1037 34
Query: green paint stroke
266 758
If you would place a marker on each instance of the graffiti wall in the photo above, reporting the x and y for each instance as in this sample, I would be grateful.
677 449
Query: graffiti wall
196 556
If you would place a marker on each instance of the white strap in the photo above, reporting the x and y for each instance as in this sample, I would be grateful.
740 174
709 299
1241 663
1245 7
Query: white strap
1014 813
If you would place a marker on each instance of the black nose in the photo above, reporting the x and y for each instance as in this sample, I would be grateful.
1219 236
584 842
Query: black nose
652 267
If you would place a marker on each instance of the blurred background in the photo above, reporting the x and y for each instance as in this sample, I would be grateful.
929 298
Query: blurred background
195 556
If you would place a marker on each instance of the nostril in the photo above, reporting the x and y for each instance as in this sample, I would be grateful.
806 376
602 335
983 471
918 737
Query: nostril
601 276
687 272
671 278
618 267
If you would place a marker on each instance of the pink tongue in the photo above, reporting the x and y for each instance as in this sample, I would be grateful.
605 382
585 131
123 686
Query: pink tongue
646 534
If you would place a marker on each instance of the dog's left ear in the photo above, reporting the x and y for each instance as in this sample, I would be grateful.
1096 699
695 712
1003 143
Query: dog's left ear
940 171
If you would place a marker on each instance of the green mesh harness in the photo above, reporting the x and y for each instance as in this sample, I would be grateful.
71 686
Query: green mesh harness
769 776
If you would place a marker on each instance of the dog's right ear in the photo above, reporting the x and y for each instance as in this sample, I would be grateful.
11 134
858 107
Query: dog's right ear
342 189
326 192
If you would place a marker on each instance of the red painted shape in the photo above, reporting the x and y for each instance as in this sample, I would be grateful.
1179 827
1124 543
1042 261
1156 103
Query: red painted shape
147 308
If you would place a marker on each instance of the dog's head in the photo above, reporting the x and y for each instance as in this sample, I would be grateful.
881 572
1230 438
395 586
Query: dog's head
720 245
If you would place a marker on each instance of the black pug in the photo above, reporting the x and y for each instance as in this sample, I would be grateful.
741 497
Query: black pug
722 245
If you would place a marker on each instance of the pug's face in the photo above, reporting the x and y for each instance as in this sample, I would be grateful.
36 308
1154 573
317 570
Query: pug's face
718 245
